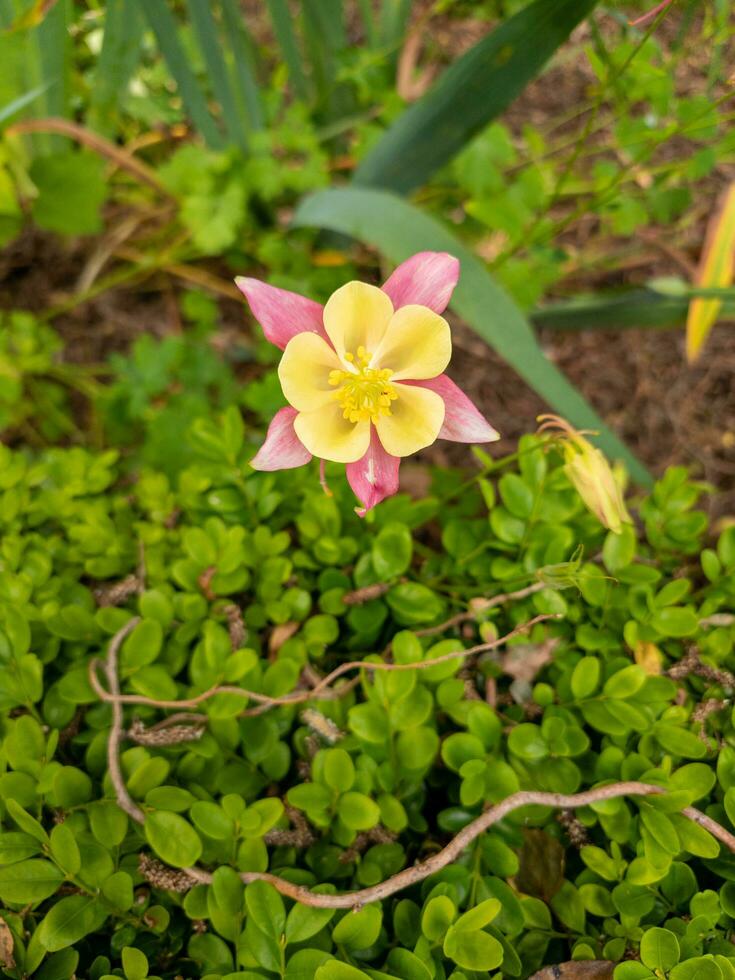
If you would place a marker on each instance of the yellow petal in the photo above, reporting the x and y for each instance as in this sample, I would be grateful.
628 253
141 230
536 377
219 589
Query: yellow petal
304 372
416 417
357 315
328 435
417 344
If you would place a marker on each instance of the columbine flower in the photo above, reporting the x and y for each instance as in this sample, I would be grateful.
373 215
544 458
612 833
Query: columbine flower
363 375
590 474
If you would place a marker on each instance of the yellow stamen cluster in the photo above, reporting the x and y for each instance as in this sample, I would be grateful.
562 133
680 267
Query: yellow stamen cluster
365 393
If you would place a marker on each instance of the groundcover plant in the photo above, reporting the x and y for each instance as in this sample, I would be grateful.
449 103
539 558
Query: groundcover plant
248 734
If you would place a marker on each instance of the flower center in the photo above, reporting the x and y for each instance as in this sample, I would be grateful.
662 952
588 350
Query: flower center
365 393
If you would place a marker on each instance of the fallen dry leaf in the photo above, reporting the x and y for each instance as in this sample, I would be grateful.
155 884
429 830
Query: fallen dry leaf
649 657
541 865
576 970
7 960
280 634
522 662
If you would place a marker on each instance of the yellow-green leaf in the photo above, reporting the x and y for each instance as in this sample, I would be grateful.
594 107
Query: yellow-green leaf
716 269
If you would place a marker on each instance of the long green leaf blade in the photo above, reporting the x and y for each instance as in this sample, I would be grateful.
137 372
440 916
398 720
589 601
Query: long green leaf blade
164 26
470 93
399 229
286 37
205 29
634 309
242 54
117 62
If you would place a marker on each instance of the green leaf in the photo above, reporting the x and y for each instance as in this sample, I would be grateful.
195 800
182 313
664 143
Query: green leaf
118 889
58 966
358 929
391 551
172 838
335 970
625 683
527 742
357 811
480 916
135 963
26 822
70 920
400 229
212 820
338 770
437 917
675 621
659 949
474 90
15 846
414 603
265 906
303 922
304 964
585 677
697 968
71 190
142 646
29 881
569 907
72 787
64 849
109 823
473 949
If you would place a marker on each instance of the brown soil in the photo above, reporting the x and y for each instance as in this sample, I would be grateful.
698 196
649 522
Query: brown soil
666 411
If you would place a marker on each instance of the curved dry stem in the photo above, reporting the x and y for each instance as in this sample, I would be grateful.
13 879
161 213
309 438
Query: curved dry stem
482 606
409 876
120 157
321 691
124 799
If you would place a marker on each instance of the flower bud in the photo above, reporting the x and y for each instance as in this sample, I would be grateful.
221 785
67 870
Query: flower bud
590 474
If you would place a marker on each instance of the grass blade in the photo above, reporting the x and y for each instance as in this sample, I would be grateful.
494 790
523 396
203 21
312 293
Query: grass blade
117 62
716 269
17 105
54 51
368 22
325 38
394 17
470 93
244 60
207 35
399 229
164 26
286 37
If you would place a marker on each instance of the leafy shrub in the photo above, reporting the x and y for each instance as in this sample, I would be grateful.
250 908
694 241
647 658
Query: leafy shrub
261 582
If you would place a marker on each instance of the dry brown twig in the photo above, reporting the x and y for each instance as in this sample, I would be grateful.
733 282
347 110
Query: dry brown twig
409 876
480 605
321 692
116 154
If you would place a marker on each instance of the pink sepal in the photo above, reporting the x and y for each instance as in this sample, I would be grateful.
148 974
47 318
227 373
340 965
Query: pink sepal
375 476
462 420
427 279
280 313
282 449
